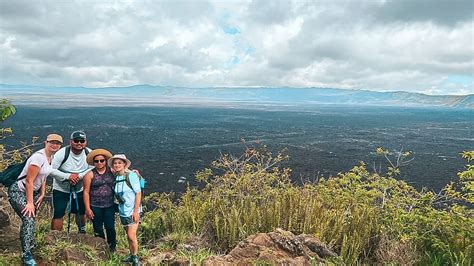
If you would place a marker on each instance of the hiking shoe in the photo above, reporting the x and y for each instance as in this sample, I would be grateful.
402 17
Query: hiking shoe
135 261
29 260
128 259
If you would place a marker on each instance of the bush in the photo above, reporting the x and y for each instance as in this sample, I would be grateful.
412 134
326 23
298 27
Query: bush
363 216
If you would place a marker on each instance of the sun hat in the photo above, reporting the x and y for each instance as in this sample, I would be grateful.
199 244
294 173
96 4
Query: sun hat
54 137
119 156
94 153
78 135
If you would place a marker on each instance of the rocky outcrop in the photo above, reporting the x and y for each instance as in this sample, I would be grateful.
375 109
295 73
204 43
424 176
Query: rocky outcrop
80 248
4 217
173 257
4 220
9 224
167 258
278 247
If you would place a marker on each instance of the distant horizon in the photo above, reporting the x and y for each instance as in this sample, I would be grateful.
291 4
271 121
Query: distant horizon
235 97
232 87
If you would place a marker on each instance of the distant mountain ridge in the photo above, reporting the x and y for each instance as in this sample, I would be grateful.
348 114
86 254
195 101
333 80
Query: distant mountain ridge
158 95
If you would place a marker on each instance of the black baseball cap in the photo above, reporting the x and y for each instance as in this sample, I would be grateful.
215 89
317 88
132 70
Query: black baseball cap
78 135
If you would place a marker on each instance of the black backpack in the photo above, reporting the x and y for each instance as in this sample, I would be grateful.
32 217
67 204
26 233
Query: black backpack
10 175
67 152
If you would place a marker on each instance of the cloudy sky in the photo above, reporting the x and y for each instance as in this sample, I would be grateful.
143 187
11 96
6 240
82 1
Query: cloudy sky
411 45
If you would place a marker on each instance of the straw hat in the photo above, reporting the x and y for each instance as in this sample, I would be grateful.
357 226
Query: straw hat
94 153
122 157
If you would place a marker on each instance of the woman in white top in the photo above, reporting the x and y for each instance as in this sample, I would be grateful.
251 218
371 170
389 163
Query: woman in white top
27 193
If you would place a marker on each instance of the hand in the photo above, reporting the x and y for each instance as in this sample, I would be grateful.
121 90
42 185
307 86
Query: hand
136 217
90 214
39 201
29 210
73 178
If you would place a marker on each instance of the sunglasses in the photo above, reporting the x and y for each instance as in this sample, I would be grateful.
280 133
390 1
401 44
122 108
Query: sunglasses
79 140
99 161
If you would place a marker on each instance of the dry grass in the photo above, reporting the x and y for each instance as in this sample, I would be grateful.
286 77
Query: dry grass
391 251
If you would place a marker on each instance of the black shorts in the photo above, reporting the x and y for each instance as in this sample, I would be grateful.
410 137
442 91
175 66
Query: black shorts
127 221
61 200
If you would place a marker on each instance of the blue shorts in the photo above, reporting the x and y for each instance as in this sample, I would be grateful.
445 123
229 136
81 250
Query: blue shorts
61 200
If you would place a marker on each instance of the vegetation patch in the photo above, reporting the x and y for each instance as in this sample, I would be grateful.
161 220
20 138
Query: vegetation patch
362 216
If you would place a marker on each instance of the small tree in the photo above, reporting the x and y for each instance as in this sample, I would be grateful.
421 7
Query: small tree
396 159
464 189
11 156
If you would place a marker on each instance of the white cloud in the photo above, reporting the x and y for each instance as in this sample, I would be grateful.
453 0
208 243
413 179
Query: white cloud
377 45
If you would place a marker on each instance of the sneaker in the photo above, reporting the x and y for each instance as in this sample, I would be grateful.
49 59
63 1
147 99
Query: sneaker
128 259
29 260
135 261
82 230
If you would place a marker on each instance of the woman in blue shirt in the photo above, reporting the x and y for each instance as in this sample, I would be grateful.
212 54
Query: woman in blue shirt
128 193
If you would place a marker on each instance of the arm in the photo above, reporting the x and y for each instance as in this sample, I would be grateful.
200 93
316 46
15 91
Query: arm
135 182
136 211
87 188
56 173
41 196
60 176
29 209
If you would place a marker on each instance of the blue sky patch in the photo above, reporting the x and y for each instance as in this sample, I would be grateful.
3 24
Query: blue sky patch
250 50
231 30
460 79
232 62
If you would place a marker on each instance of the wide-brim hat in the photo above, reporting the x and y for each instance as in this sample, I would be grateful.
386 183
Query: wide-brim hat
94 153
122 157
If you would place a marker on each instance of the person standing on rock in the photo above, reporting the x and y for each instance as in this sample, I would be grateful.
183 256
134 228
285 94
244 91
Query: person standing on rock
99 196
128 193
27 193
70 167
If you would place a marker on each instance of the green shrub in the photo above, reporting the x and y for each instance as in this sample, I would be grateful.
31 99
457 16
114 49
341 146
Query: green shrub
362 216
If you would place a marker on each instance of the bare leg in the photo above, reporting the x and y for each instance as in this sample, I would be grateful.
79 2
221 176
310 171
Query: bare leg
57 224
82 219
132 238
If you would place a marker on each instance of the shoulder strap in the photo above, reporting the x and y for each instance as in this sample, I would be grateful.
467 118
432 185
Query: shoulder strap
127 180
66 155
24 177
67 152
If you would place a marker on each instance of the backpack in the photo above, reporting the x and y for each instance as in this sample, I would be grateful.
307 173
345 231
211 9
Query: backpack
10 175
127 181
